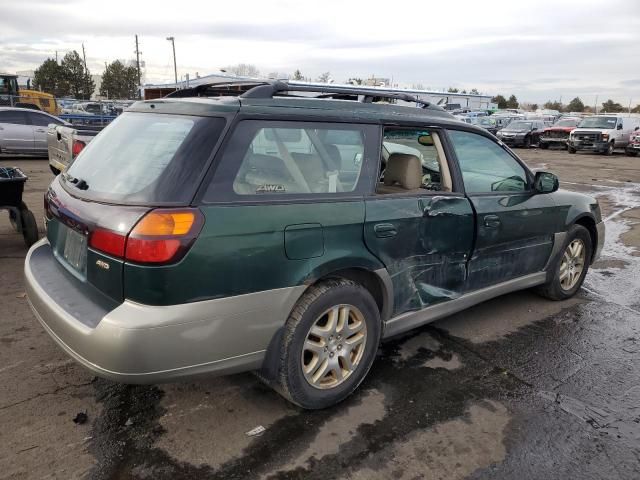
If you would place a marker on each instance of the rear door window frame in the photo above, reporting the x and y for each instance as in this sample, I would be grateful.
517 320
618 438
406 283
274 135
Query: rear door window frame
457 186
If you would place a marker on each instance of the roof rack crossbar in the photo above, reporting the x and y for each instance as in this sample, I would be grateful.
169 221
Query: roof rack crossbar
268 90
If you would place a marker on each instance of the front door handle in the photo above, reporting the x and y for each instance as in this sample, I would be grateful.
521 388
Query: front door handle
385 230
491 221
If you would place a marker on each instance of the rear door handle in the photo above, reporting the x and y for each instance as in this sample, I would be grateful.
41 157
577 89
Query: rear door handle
491 221
385 230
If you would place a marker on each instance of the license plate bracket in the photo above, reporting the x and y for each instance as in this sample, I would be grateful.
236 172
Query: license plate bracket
75 250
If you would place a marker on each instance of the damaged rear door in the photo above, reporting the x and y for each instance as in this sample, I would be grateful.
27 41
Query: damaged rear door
422 235
515 225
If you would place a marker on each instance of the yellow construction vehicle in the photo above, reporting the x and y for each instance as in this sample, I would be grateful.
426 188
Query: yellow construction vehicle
11 94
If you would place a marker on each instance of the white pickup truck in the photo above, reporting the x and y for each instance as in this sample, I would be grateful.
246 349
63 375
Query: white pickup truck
64 143
603 133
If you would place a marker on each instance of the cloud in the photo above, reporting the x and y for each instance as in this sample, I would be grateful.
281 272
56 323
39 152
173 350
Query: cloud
539 50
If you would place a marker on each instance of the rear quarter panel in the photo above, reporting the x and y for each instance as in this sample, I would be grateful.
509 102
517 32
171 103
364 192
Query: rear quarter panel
241 249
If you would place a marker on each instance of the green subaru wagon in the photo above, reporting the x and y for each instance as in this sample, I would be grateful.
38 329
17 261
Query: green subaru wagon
288 232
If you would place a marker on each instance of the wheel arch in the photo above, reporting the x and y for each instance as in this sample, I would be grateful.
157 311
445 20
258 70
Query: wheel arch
376 281
588 222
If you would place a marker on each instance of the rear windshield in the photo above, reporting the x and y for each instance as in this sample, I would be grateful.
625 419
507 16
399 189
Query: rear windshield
143 158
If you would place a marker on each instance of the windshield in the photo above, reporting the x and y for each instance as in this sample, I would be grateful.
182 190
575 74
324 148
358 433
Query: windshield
520 126
143 158
566 123
598 122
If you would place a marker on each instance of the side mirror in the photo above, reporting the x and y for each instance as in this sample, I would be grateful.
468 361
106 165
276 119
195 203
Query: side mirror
636 129
619 127
546 182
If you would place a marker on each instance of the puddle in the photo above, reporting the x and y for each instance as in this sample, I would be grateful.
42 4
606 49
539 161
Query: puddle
451 450
618 284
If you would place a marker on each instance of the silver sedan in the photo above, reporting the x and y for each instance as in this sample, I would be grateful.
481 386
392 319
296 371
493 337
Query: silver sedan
24 131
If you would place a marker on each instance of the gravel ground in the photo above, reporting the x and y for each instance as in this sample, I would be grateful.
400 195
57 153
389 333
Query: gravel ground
518 387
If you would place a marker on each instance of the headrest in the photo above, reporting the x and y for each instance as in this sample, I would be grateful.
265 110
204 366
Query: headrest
404 169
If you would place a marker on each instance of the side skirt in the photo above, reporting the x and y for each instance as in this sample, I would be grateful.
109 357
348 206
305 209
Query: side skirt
410 320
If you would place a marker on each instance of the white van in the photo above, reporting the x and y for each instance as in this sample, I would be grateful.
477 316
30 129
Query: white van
603 133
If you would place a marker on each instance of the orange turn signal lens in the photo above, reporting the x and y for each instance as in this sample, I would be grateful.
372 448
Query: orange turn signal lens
165 223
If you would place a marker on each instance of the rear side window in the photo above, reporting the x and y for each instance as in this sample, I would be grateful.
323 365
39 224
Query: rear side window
13 116
292 158
145 158
41 120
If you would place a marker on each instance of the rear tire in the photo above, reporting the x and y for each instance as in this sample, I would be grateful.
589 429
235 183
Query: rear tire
544 146
527 142
329 343
571 150
29 227
632 154
574 261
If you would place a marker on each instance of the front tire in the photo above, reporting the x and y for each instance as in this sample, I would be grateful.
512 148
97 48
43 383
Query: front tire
329 344
544 146
571 268
571 150
527 142
609 151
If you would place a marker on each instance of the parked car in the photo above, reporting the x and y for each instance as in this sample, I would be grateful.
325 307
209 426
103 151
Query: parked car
634 144
558 134
603 133
24 131
263 232
523 133
65 142
488 123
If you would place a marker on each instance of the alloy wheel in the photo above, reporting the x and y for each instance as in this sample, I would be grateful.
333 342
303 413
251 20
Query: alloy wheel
334 346
572 264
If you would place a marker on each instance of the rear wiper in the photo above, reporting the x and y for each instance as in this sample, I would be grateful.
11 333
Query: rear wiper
78 182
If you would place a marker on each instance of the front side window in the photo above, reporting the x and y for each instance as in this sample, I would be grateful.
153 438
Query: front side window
487 167
291 158
41 120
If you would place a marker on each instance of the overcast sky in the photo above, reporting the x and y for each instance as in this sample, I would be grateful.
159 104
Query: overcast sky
539 50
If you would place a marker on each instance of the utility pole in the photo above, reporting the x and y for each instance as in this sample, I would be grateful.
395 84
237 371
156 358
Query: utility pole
86 74
138 52
175 68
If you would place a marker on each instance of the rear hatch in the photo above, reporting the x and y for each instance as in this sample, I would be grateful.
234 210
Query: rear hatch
126 197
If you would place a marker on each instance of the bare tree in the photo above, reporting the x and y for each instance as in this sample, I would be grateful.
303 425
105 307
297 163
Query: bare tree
324 78
243 70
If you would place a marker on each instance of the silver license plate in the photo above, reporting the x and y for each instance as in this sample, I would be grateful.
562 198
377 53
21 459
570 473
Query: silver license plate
75 250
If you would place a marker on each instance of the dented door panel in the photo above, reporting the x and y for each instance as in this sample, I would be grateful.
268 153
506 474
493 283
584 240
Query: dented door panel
514 236
424 242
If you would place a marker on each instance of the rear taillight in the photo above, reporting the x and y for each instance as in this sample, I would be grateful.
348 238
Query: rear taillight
161 236
109 242
77 147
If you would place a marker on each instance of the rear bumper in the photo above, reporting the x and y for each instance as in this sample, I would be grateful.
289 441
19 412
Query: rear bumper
135 343
601 235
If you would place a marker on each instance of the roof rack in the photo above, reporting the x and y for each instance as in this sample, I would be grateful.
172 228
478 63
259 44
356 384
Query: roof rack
366 95
216 89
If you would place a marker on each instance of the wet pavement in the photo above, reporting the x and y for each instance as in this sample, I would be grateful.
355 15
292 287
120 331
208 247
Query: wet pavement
518 387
